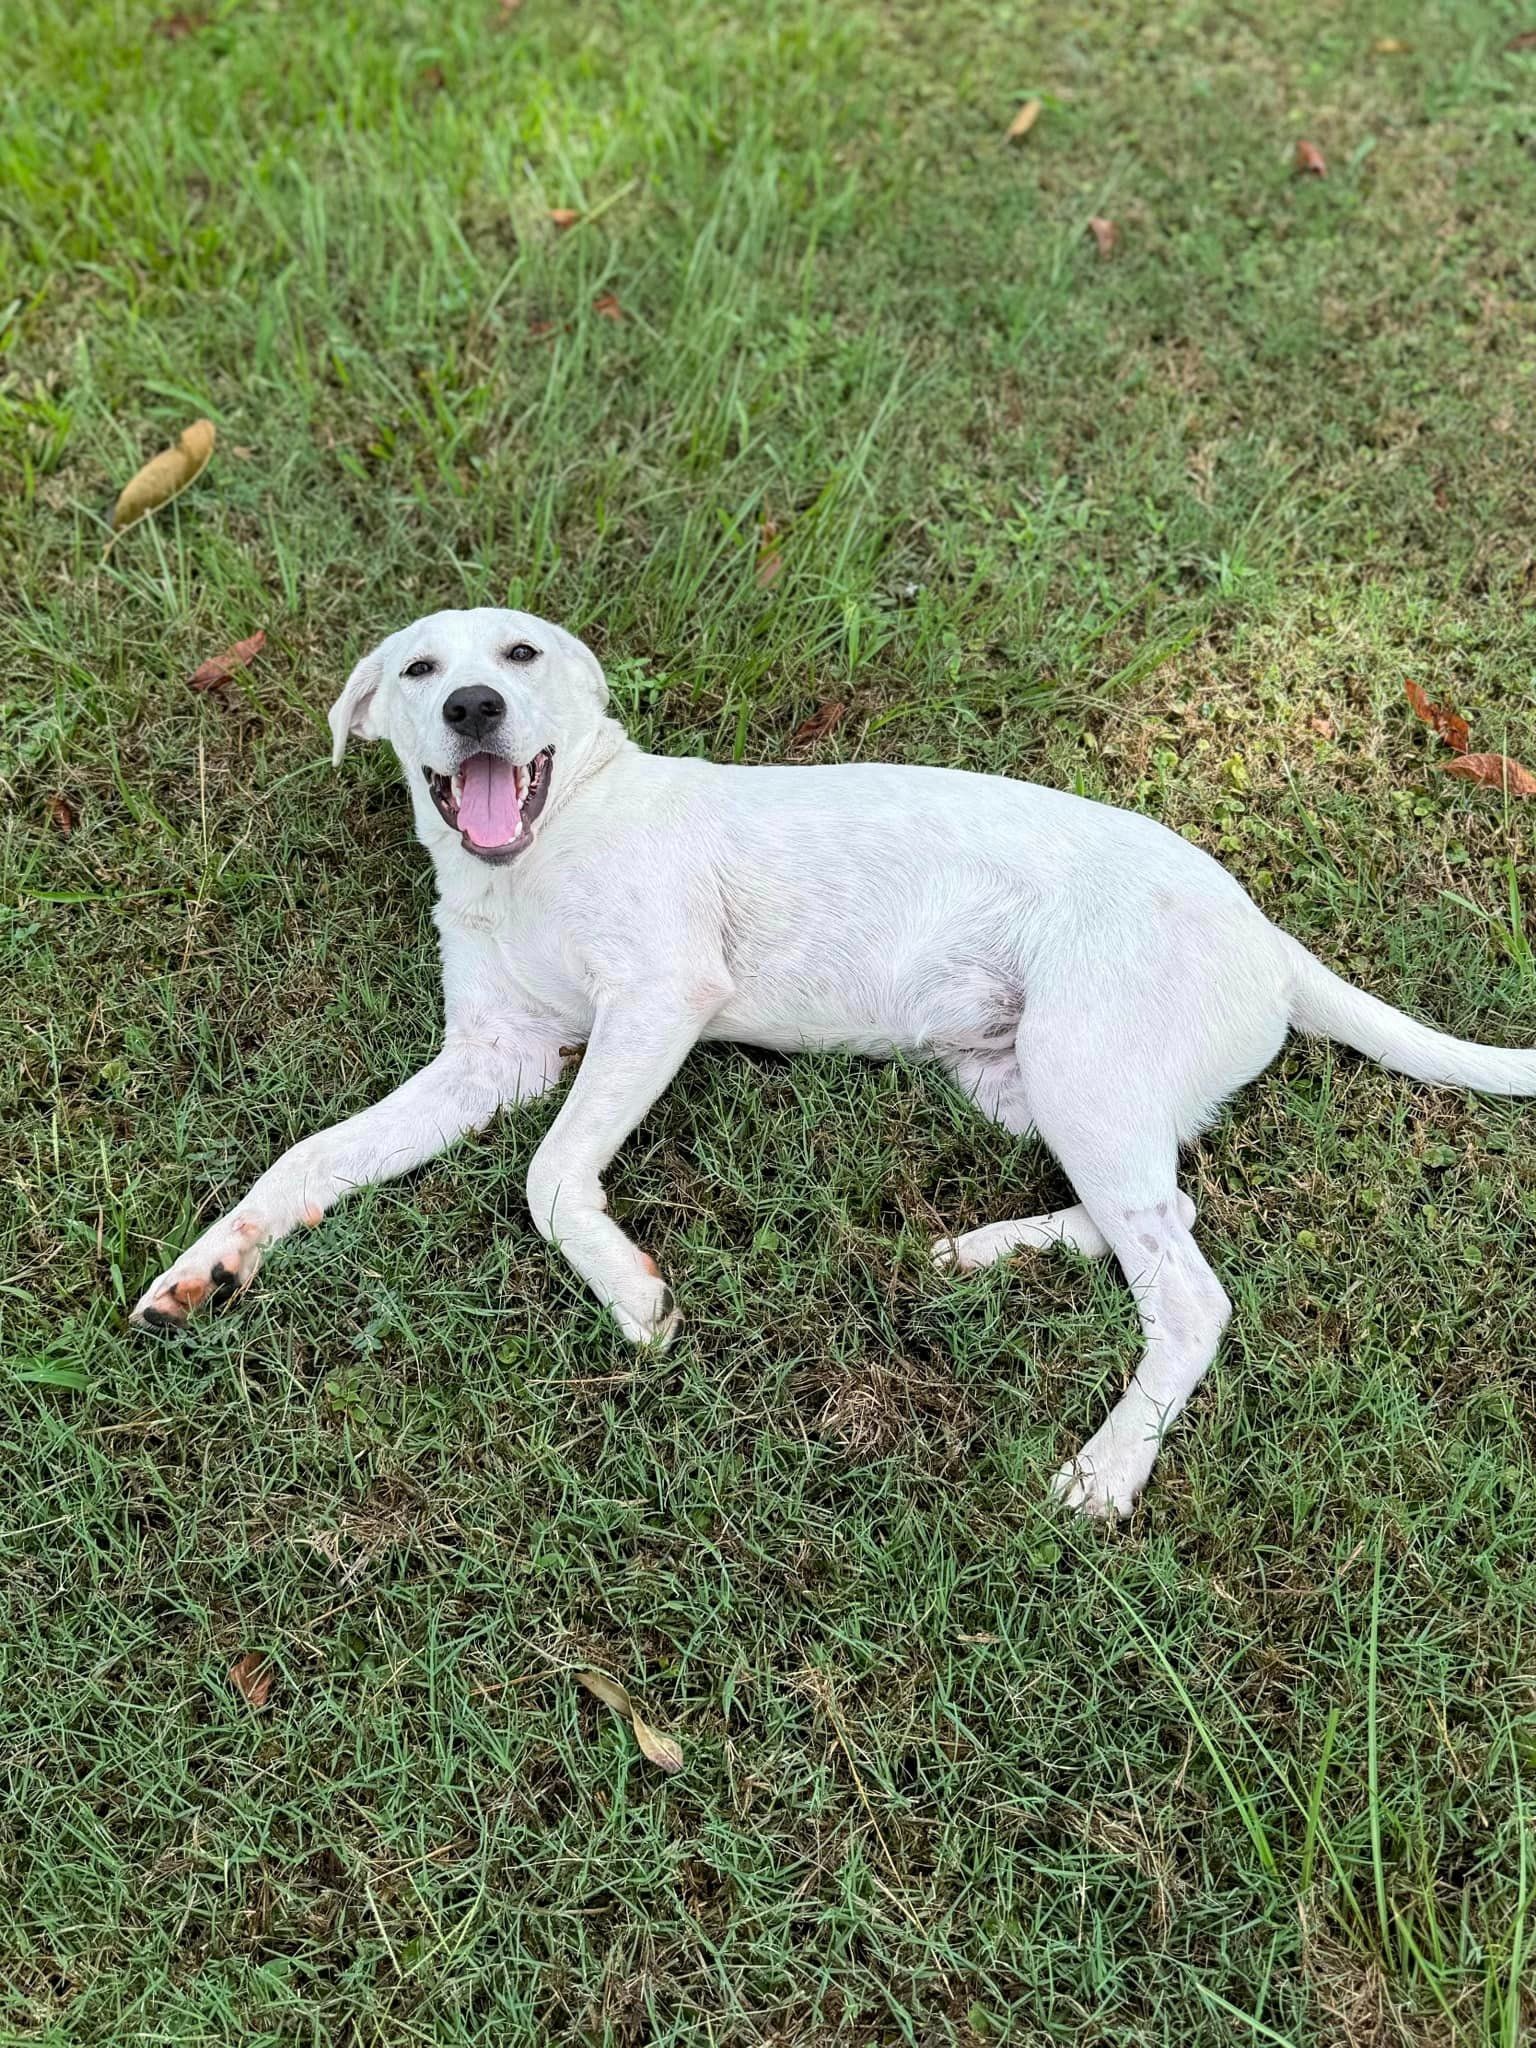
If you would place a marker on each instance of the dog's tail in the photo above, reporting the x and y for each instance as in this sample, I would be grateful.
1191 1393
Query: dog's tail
1324 1004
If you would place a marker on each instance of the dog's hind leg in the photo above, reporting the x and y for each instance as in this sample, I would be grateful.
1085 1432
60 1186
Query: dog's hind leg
1126 1176
1115 1130
995 1083
1146 1012
1073 1227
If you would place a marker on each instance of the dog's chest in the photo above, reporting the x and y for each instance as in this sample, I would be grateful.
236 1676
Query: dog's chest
513 968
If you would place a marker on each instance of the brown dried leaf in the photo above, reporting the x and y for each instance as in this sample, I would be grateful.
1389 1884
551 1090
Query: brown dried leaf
1310 161
663 1750
1493 771
607 307
607 1689
1323 727
216 671
251 1676
163 478
541 330
62 814
1526 40
1024 120
818 725
1443 719
770 556
1389 46
563 217
1104 233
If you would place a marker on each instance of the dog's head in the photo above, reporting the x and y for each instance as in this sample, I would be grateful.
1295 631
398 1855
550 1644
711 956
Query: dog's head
483 708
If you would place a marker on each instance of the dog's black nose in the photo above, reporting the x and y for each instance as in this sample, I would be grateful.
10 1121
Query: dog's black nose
473 712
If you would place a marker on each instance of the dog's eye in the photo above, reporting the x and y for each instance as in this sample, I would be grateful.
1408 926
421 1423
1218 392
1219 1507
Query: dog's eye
520 651
417 669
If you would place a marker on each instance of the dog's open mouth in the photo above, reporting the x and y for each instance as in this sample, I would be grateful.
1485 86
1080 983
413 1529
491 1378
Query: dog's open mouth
492 802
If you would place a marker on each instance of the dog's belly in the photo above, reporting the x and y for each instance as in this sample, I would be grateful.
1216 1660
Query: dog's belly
805 1035
927 1004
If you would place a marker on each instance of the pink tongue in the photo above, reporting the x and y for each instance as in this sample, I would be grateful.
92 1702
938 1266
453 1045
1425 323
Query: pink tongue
488 808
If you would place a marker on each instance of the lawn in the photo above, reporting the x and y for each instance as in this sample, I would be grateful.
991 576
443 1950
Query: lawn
829 400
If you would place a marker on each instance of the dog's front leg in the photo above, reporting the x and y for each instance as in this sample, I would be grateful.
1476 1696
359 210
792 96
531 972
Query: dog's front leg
459 1091
636 1046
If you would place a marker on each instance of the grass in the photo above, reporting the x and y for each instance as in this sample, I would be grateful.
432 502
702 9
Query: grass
1170 528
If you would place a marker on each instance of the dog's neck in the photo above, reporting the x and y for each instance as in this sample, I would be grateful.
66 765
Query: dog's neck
470 891
590 757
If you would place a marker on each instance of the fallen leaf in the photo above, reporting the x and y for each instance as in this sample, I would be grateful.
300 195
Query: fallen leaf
1526 40
164 477
242 454
770 556
1024 120
60 811
174 26
607 307
1323 727
563 217
663 1750
1310 160
1389 46
1443 719
607 1689
251 1676
1105 233
508 8
216 671
541 330
432 78
818 725
1493 771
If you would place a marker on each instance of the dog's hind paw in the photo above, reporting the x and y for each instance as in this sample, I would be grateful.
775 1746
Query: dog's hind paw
972 1249
220 1265
1105 1479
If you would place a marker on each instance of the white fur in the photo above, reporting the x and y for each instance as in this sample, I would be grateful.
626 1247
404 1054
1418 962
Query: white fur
1079 970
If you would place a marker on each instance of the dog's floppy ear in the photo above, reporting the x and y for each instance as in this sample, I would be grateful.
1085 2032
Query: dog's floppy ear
590 667
351 715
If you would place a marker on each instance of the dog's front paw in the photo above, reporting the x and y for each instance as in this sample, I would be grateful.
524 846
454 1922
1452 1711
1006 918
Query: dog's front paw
647 1312
220 1265
1106 1477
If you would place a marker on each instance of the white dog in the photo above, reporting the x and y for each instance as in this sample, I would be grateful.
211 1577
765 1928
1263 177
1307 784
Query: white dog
1080 971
